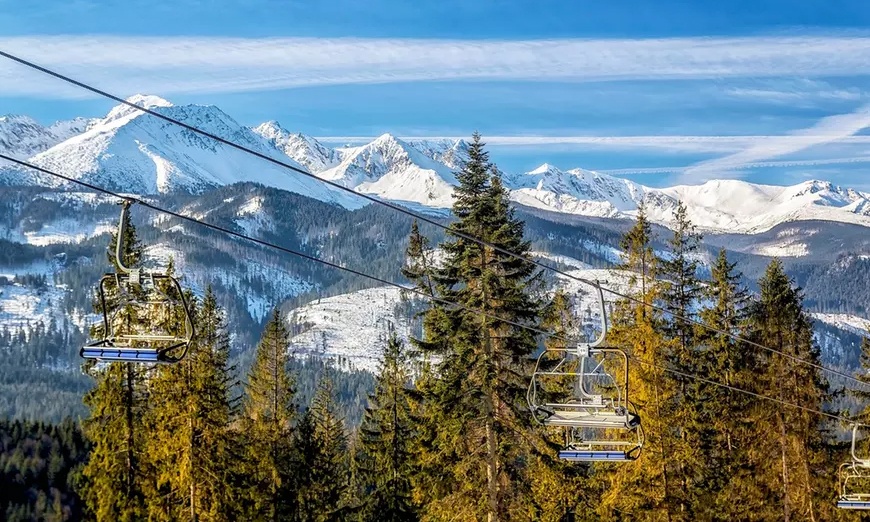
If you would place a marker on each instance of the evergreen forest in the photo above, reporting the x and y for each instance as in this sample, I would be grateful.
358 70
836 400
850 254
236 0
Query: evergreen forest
446 431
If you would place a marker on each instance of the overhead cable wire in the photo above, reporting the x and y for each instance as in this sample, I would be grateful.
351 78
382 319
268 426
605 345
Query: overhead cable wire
426 295
425 219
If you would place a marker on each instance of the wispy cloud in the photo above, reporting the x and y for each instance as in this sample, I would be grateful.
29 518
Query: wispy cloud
173 65
757 165
826 130
795 91
676 144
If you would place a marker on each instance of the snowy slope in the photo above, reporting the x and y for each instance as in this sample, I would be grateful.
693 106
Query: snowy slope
716 206
452 153
138 153
734 205
352 325
576 192
135 152
393 169
21 137
849 323
304 149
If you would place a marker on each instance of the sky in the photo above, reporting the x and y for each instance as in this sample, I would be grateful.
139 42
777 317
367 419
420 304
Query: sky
665 92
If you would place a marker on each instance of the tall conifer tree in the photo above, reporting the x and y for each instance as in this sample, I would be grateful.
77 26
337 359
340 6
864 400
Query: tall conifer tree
795 437
267 425
191 440
733 485
476 460
386 441
645 489
681 291
323 474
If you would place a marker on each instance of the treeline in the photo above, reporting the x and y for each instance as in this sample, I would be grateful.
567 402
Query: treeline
39 466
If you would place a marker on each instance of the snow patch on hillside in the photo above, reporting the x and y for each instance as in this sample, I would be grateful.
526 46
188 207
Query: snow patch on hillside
352 326
850 323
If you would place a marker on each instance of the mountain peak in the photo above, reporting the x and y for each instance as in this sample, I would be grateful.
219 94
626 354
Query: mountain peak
271 130
146 101
149 101
304 149
545 168
18 118
386 139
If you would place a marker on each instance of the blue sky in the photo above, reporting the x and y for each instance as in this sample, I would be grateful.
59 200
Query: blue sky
661 92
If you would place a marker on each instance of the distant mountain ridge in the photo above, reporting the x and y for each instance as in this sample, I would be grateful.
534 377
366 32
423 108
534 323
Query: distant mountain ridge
138 153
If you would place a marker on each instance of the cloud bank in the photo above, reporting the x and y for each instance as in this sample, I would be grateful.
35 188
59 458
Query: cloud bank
173 65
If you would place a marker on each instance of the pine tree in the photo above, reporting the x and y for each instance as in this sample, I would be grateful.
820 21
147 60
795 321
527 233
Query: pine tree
644 490
267 425
793 478
733 485
114 482
191 441
386 441
681 290
476 464
323 480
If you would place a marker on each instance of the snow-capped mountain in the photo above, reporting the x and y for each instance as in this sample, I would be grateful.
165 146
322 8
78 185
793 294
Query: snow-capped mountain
136 152
449 152
723 206
576 191
22 137
304 149
392 169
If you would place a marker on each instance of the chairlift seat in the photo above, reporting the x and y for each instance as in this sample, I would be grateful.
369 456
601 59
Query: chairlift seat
151 321
584 418
593 456
858 502
110 353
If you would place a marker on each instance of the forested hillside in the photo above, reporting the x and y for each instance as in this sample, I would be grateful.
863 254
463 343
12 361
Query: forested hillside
714 428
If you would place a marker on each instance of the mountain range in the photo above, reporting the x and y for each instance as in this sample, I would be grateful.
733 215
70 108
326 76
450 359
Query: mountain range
131 151
53 240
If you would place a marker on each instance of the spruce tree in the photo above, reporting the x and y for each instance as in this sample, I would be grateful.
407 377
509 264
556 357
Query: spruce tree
323 474
191 441
645 489
267 425
114 482
733 486
681 289
476 463
793 446
386 441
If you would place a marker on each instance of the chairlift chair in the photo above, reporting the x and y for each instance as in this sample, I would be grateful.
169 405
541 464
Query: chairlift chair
151 321
850 473
599 407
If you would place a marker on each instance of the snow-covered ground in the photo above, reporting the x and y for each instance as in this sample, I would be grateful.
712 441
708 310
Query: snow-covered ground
352 325
850 323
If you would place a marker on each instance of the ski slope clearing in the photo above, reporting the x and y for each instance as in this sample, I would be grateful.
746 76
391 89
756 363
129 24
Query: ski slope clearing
353 326
850 323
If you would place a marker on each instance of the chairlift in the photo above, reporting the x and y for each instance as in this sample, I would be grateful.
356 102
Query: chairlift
150 321
598 418
854 478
